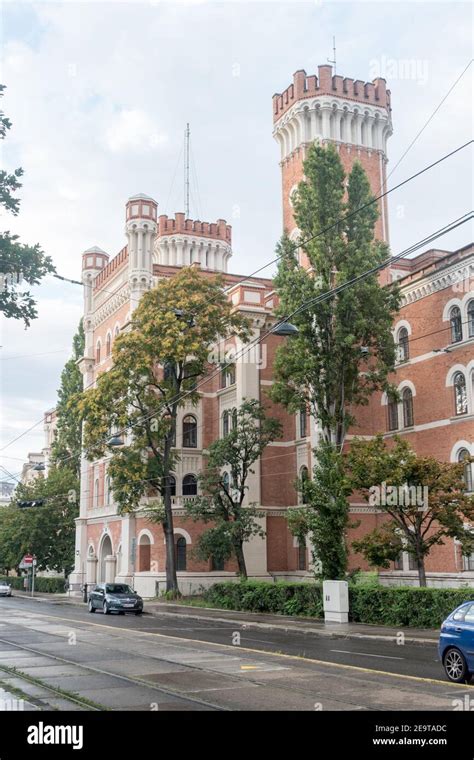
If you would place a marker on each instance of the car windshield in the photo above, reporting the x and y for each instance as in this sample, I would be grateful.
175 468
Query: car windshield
118 588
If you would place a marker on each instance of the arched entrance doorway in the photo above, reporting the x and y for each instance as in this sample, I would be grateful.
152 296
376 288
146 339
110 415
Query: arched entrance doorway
105 551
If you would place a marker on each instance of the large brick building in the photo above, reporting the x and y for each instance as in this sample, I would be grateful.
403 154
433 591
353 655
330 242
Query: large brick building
435 373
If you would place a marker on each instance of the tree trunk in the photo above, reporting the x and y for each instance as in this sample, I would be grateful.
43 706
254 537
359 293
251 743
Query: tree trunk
239 553
420 561
168 527
171 577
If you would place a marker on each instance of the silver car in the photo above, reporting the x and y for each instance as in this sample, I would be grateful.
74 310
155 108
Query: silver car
5 589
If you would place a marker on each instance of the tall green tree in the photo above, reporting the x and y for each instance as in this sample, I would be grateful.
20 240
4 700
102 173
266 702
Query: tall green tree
48 531
66 447
19 263
344 350
174 329
224 484
424 500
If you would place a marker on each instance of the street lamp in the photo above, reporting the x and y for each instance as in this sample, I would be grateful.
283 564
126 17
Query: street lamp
285 330
114 441
39 467
180 314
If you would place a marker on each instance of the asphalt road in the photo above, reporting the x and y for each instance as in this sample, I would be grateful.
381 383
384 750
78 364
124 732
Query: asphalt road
408 659
128 662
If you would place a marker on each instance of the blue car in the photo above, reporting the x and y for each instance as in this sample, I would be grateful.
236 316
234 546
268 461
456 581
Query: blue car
456 644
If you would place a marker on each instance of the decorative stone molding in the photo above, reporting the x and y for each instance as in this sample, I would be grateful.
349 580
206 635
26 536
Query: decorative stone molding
447 278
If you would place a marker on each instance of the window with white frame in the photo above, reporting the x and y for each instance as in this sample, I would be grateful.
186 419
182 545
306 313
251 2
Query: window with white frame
392 414
464 457
189 432
470 318
96 492
302 432
460 393
455 319
407 403
403 345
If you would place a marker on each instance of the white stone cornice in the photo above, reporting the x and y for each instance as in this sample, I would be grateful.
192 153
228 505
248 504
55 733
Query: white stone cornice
437 280
330 117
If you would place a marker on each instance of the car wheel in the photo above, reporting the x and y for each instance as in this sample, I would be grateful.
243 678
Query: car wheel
90 606
105 609
138 612
455 666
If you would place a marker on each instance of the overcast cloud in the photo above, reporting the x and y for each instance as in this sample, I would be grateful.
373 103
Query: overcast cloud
100 93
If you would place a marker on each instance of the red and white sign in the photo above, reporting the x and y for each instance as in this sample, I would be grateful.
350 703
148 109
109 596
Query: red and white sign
27 560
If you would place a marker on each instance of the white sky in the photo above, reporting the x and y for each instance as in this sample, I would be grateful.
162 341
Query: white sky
99 95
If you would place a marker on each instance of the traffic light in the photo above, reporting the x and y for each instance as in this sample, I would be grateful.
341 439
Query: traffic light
26 503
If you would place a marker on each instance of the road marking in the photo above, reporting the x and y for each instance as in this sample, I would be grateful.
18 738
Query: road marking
366 654
299 658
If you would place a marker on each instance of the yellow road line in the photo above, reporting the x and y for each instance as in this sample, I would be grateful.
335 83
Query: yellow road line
261 652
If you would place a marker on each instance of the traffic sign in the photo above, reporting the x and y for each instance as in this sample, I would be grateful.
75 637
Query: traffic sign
27 560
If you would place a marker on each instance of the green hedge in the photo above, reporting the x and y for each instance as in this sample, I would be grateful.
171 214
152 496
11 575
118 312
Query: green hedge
259 596
405 606
45 585
371 604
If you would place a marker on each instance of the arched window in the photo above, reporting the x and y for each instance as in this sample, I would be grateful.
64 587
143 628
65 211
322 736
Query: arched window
116 331
181 554
172 485
144 554
470 319
302 565
107 490
189 485
96 492
108 344
392 415
234 419
226 480
460 393
304 477
302 422
407 400
227 375
403 345
225 423
464 456
97 352
455 319
189 432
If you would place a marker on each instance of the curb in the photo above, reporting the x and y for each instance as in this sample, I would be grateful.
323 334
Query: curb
293 628
287 627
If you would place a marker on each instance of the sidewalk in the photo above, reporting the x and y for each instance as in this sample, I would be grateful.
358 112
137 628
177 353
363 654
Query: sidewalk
421 636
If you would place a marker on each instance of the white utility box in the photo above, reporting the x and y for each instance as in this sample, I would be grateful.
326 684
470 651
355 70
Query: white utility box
336 601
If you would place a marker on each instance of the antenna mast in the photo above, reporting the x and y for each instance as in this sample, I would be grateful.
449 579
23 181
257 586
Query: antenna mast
334 55
186 171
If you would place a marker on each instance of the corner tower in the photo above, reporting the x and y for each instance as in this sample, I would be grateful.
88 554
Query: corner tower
354 115
140 229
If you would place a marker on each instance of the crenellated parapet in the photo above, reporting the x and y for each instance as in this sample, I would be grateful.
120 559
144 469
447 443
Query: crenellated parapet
182 242
334 108
304 87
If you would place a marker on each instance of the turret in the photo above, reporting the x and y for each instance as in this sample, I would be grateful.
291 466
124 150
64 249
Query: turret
353 115
140 229
93 262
